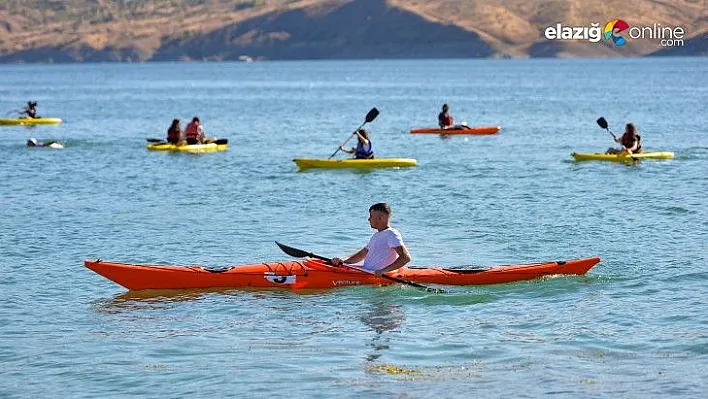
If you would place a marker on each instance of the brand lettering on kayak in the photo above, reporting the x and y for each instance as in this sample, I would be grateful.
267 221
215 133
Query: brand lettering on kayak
338 283
290 279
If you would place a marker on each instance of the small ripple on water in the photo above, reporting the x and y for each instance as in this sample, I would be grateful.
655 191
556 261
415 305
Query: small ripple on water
678 210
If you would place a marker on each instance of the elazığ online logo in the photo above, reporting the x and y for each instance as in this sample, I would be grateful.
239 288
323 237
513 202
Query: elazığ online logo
615 31
613 28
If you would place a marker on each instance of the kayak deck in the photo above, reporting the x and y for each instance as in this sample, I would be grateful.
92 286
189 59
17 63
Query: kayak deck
479 130
315 274
193 148
307 163
30 121
622 158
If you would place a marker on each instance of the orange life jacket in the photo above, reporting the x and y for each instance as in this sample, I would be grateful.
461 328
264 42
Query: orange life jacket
192 131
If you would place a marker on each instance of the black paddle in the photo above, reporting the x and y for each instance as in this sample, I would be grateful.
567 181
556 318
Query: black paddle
298 253
369 118
602 122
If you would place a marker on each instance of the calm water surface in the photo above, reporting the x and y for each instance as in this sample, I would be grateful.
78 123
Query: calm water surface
636 325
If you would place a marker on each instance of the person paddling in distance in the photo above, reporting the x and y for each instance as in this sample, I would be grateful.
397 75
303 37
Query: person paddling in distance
174 133
385 251
194 133
630 140
32 142
445 120
30 110
364 149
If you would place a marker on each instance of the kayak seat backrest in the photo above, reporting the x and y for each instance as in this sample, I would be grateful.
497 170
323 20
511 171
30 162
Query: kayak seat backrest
218 269
465 271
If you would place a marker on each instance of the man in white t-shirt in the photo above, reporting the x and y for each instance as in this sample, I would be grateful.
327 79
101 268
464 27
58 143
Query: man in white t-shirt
385 251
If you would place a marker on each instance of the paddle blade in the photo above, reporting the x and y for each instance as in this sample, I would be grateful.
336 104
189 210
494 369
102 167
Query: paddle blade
294 252
298 253
372 115
154 140
602 123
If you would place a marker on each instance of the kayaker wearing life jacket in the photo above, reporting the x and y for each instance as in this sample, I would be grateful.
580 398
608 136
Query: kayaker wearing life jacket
385 251
364 149
30 110
174 133
194 133
631 142
445 120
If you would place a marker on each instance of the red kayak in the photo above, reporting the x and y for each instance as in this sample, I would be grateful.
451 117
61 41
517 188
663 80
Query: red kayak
480 130
317 274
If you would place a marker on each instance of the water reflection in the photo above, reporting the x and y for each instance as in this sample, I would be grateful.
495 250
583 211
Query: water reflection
384 314
162 299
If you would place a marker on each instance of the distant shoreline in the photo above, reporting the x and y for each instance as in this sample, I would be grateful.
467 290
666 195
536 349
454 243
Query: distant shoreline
351 60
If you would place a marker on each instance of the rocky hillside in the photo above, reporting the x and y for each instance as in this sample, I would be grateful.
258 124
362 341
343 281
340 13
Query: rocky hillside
163 30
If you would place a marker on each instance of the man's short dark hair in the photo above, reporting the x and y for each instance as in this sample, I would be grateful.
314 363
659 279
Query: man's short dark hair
381 207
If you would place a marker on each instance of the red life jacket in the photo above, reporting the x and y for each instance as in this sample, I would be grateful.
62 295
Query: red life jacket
192 131
445 120
628 142
174 135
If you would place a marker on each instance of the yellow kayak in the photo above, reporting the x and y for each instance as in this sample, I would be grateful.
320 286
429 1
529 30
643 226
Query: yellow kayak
220 145
622 158
30 121
305 163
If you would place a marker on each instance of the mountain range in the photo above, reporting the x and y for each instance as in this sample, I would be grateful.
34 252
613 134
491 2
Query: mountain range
49 31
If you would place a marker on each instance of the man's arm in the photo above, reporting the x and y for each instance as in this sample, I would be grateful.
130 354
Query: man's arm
357 257
403 258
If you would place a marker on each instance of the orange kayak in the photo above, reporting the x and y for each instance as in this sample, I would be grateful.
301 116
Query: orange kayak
316 274
473 130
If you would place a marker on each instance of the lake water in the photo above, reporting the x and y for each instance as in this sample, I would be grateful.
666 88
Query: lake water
636 325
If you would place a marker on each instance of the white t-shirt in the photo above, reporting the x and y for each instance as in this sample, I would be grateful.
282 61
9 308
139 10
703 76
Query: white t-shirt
381 252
